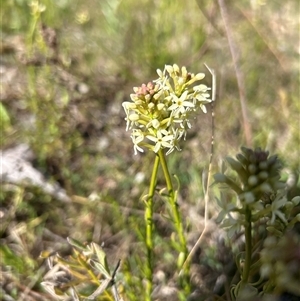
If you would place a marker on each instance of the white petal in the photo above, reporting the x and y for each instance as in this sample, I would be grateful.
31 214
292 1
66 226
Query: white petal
154 139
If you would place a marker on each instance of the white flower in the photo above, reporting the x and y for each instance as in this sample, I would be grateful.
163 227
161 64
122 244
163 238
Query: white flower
137 137
180 104
163 139
177 134
276 205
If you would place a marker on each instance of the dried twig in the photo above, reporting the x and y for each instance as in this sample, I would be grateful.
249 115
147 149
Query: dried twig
206 188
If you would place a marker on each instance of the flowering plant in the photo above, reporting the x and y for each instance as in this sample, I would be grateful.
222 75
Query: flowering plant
160 111
159 116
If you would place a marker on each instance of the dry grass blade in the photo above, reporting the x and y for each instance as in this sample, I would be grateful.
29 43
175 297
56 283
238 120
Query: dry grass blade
188 259
238 72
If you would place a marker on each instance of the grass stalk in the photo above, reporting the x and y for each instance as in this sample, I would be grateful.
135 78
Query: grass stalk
238 72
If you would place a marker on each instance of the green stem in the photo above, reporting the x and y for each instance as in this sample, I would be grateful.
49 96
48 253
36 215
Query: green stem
149 228
174 204
248 248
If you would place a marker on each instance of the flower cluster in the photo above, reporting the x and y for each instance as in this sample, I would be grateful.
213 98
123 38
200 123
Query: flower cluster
160 111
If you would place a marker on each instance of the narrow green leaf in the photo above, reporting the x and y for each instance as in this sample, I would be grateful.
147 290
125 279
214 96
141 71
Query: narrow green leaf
101 269
75 243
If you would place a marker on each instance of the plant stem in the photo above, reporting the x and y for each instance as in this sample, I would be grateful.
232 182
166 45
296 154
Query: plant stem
149 228
174 204
177 222
248 247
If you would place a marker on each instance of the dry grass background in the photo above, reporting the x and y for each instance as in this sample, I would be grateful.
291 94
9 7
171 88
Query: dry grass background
64 75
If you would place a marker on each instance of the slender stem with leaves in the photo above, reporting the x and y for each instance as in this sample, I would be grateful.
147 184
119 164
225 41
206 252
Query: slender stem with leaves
174 205
177 223
149 228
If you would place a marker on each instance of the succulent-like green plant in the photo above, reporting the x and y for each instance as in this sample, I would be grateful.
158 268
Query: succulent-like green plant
258 174
261 199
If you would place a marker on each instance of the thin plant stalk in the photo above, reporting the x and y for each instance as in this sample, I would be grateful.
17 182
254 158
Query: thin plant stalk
206 189
177 221
174 205
149 229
